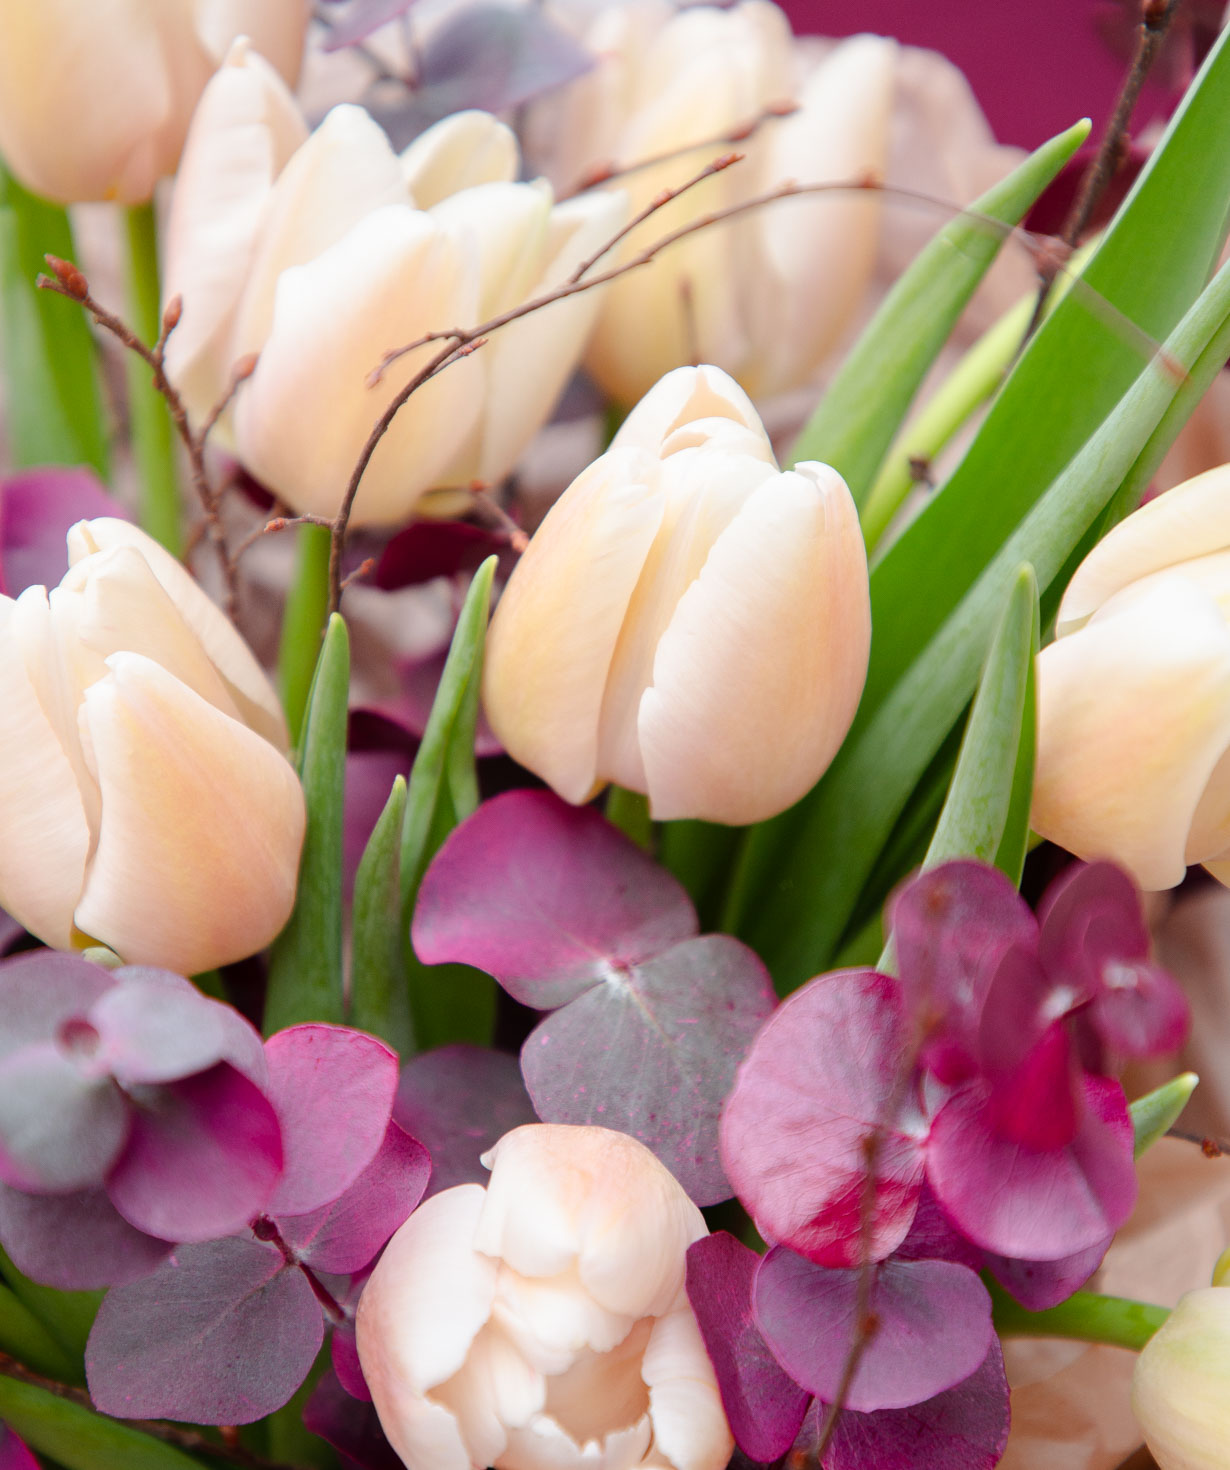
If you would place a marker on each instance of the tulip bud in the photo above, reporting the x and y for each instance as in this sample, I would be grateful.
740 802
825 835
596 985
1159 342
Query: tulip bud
1181 1386
543 1323
688 621
148 801
95 99
1134 694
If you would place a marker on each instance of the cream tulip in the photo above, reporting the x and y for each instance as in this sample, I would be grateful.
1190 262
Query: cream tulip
320 253
542 1323
95 98
1181 1385
688 621
148 802
767 296
1134 694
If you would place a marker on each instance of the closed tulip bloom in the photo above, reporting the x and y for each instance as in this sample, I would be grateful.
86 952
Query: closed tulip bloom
542 1323
1134 694
95 98
319 253
148 802
688 621
1181 1385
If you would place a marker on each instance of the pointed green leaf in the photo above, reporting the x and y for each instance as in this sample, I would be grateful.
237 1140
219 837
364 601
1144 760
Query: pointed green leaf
305 964
25 1338
79 1439
67 1315
863 407
379 996
1155 1114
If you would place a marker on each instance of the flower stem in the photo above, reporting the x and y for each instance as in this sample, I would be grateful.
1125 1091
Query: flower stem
303 623
153 435
1086 1316
629 811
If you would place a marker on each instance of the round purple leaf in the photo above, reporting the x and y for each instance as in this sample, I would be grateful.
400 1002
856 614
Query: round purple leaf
202 1160
61 1128
37 508
1041 1284
459 1101
764 1405
816 1085
547 897
221 1333
75 1242
933 1237
933 1327
426 549
350 1425
652 1051
333 1089
344 1354
42 990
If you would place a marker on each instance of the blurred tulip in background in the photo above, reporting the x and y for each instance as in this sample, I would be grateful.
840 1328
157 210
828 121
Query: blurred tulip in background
1181 1387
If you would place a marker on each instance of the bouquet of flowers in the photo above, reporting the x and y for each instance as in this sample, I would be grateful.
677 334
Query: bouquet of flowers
613 627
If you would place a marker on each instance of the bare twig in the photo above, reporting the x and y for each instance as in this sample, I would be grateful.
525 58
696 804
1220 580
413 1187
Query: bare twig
1211 1148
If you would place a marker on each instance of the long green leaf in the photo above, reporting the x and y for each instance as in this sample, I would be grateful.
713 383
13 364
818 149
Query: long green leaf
379 996
66 1315
305 965
52 400
25 1338
80 1439
863 407
448 1002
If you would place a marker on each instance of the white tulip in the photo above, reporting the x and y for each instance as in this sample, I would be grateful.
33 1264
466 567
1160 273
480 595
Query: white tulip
1181 1384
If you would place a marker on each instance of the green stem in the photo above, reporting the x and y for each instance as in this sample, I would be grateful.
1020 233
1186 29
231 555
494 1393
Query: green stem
303 623
629 811
1086 1316
153 435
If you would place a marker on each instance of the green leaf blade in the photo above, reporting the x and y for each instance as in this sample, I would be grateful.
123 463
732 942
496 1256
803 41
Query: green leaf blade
379 996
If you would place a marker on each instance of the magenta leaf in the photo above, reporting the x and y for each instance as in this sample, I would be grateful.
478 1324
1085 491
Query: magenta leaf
344 1352
933 1327
424 550
75 1242
333 1090
344 1236
37 508
547 897
13 1454
933 1237
221 1333
963 1428
459 1101
61 1128
1041 1284
1034 1204
817 1083
349 1425
652 1051
41 990
764 1405
203 1157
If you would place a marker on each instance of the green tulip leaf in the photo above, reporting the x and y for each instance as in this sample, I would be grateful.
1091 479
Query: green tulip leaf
79 1439
1155 1114
379 996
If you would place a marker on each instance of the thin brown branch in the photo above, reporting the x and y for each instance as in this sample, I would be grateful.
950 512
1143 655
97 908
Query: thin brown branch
1211 1148
241 371
276 524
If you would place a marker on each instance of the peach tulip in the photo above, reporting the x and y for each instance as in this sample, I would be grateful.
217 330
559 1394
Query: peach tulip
542 1323
1181 1386
148 801
95 98
689 621
1134 694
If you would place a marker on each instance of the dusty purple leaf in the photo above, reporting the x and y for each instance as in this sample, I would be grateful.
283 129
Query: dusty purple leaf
41 990
349 1425
963 1428
357 19
652 1050
344 1352
549 898
764 1405
221 1333
333 1090
459 1101
1139 1010
1041 1284
816 1084
403 715
203 1157
424 550
61 1128
11 932
1034 1204
37 508
933 1237
934 1327
75 1242
344 1236
13 1454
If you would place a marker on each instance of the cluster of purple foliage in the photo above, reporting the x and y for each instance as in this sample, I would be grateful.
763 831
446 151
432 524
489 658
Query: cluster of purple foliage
891 1137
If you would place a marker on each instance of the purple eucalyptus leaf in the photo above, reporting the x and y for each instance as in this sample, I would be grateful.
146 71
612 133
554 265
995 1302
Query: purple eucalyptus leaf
933 1237
369 777
652 1051
764 1405
1139 1011
345 1236
549 898
933 1327
75 1242
1089 916
815 1086
13 1454
221 1333
398 720
424 550
1034 1204
359 18
349 1425
61 1126
344 1353
203 1157
459 1101
963 1428
1037 1104
1041 1284
41 990
951 926
333 1089
11 932
37 508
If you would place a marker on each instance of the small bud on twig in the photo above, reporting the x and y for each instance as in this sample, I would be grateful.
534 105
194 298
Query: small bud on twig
243 367
69 277
171 316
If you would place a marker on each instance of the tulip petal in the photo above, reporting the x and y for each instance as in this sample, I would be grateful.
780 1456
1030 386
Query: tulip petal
681 397
766 653
202 823
547 664
689 1423
496 1389
1133 716
505 226
46 836
457 153
553 1318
